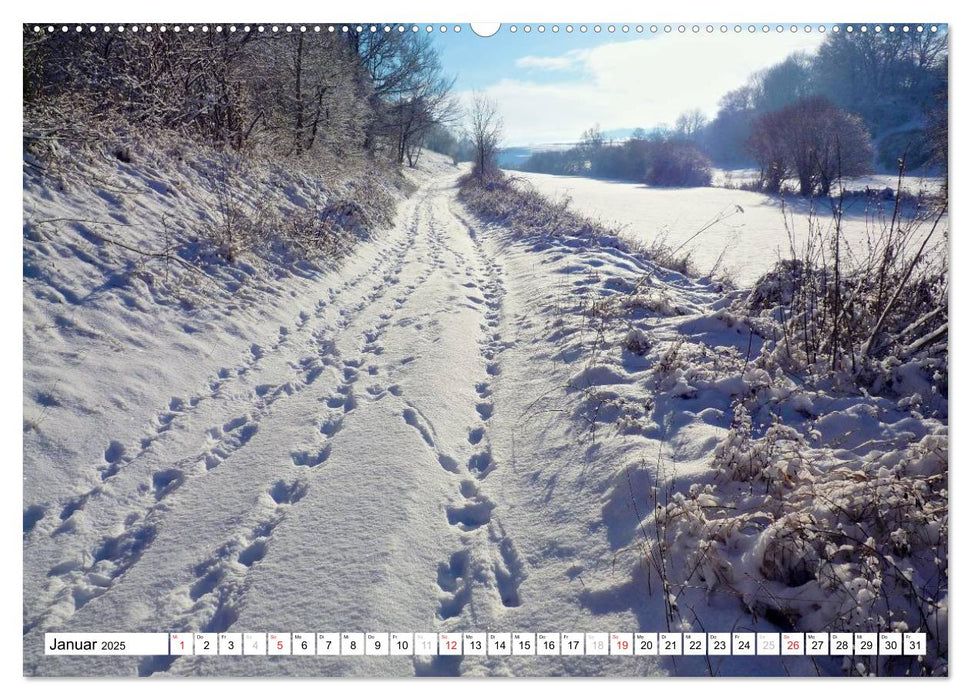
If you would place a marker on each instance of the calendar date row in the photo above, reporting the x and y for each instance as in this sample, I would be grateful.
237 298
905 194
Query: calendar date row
490 644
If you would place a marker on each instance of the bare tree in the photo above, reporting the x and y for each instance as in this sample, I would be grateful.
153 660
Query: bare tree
593 138
813 140
409 91
189 82
424 99
304 96
315 96
485 132
690 124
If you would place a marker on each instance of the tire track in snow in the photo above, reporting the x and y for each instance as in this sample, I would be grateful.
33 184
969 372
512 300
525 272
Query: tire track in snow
217 593
488 558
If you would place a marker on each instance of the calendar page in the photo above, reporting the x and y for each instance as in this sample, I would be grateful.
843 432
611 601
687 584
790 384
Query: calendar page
391 349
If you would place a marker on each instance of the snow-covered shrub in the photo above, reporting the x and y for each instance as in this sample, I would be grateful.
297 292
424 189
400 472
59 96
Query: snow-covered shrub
206 216
813 533
512 202
822 544
856 319
660 250
659 160
813 512
813 140
653 301
238 222
508 201
255 208
671 359
775 458
682 367
675 163
780 285
636 342
602 408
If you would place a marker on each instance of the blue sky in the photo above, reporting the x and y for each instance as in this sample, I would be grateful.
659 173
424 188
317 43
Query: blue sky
481 62
550 87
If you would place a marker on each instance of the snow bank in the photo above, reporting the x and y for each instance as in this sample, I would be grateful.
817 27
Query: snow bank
150 271
741 495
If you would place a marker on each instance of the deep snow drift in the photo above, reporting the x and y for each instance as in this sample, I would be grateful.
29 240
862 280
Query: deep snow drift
455 428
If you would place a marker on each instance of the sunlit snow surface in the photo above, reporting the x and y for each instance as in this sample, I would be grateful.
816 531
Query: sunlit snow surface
435 435
751 237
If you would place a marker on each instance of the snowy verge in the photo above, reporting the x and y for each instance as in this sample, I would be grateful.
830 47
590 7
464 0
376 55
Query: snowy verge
152 268
811 504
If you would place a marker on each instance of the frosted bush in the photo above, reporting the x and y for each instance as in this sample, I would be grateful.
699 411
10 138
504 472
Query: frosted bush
636 342
775 458
822 546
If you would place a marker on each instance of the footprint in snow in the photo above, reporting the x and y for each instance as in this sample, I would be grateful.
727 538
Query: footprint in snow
310 458
475 435
32 516
471 515
284 493
411 418
166 481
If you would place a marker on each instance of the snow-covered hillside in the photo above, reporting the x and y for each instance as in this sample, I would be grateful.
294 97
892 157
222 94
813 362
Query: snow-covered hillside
452 427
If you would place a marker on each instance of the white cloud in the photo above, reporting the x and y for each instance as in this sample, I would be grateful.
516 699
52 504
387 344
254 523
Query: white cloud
635 83
562 62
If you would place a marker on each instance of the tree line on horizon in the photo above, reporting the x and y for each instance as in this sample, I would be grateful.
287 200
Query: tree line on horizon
863 101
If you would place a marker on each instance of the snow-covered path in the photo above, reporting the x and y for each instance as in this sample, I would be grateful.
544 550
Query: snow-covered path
360 474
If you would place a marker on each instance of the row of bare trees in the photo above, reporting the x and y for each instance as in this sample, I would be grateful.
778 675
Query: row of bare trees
411 94
895 81
302 93
661 158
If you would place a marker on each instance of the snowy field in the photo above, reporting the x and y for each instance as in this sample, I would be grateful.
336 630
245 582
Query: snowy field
746 243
